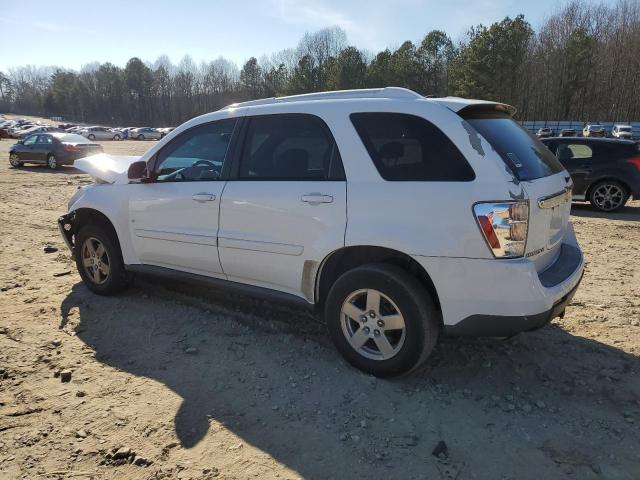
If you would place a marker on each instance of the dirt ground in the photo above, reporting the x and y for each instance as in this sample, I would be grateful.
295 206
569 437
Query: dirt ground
195 384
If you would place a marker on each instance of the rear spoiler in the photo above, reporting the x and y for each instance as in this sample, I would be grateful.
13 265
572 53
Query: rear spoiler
487 110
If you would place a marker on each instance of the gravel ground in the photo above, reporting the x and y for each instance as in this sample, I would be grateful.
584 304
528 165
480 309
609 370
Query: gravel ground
166 381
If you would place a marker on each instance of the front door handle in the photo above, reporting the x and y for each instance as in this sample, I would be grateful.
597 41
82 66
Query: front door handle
203 197
316 198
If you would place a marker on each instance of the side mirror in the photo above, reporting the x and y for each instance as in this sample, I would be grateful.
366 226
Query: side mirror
138 172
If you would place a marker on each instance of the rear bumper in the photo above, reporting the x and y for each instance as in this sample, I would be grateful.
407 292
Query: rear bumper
501 298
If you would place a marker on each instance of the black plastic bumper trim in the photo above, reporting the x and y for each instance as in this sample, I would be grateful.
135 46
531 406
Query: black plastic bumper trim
506 326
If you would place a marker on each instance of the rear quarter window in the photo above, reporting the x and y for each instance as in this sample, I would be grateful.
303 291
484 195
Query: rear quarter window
409 148
524 154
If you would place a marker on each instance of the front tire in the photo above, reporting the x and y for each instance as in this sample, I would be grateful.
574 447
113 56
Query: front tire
608 196
99 261
91 137
382 320
14 160
140 137
116 137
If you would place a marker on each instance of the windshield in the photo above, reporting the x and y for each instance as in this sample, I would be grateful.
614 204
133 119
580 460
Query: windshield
523 153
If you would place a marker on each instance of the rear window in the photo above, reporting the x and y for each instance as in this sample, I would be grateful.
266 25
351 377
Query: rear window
409 148
525 155
71 138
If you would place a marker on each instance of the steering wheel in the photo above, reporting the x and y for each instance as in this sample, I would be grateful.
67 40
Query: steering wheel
204 163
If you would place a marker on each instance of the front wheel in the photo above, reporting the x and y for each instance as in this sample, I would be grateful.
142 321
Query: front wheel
91 137
14 160
140 137
99 261
382 320
608 196
116 137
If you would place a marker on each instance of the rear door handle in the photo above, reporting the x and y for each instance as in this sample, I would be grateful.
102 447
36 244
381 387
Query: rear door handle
203 197
316 198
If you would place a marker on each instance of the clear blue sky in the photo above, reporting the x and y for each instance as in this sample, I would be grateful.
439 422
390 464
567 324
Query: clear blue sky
72 33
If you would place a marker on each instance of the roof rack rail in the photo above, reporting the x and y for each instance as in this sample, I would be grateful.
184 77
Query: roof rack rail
387 92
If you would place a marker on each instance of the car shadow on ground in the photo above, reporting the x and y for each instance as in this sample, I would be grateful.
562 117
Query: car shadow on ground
64 169
271 376
630 212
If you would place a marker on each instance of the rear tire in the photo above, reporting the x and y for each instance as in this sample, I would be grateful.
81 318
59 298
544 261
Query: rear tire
116 137
91 137
140 137
52 163
608 196
392 339
99 261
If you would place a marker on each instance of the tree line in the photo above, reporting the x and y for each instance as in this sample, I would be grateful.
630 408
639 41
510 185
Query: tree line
583 63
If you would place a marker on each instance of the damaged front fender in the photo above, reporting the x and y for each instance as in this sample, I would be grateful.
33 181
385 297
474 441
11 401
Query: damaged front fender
66 225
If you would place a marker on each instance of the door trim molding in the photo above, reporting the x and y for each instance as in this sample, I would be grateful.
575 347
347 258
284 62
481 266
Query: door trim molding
257 246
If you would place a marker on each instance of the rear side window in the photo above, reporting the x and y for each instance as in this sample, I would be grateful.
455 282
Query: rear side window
569 151
409 148
289 147
523 153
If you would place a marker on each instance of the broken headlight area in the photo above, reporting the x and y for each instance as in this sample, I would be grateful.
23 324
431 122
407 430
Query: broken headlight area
66 227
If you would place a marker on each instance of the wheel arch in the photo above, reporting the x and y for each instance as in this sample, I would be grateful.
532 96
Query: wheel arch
90 216
346 258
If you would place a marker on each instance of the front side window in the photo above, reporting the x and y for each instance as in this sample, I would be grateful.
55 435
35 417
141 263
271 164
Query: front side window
289 147
409 148
196 155
45 139
30 140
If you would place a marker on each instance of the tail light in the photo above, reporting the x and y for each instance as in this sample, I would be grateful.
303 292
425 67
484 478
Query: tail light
70 148
504 226
635 161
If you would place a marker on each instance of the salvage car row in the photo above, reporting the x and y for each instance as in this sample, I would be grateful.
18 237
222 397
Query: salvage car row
22 128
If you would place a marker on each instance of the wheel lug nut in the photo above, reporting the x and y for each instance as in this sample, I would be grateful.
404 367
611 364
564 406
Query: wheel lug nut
376 332
363 318
372 314
380 323
367 329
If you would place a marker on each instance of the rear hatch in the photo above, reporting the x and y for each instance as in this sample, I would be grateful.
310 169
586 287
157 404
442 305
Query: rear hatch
544 180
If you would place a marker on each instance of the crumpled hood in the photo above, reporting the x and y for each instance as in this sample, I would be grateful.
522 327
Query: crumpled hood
107 168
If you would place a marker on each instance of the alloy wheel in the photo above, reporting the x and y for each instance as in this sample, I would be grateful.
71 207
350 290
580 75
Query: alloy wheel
14 160
52 163
95 260
373 324
608 197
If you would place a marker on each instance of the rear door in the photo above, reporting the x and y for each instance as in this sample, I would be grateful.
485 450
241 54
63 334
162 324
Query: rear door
43 146
174 220
284 209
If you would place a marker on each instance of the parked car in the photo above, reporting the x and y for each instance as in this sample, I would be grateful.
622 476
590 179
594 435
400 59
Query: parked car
17 130
145 133
31 130
605 172
99 133
622 131
165 130
594 131
544 132
52 149
256 198
568 132
66 126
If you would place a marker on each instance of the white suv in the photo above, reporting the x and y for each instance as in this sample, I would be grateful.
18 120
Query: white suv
400 218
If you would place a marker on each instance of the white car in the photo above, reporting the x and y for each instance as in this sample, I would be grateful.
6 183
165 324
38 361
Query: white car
398 218
99 133
622 131
145 133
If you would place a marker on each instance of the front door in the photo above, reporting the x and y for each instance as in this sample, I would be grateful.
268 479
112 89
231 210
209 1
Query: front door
284 209
29 151
174 219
